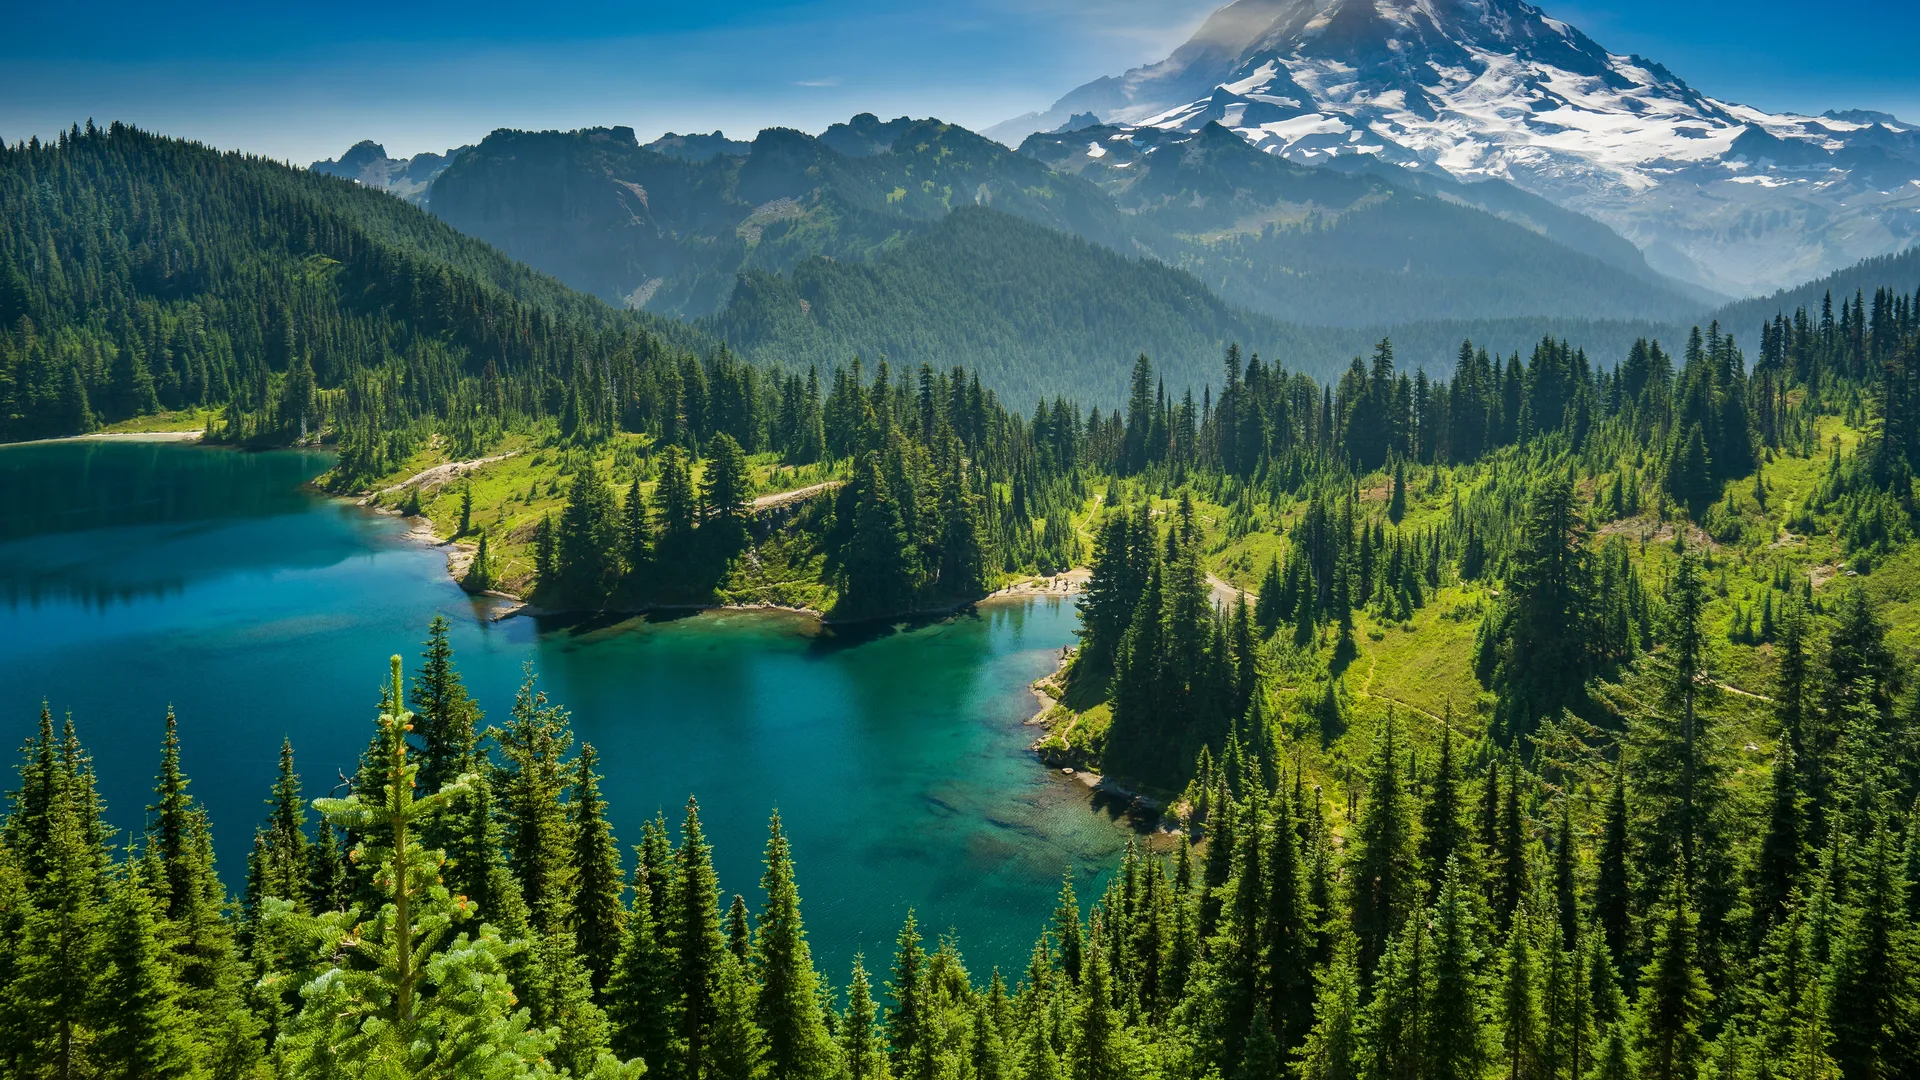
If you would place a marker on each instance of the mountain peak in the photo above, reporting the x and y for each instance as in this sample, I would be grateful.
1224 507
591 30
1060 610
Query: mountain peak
1727 197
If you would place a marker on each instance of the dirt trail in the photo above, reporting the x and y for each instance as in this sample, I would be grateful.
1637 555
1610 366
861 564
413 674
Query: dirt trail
440 474
787 498
1226 594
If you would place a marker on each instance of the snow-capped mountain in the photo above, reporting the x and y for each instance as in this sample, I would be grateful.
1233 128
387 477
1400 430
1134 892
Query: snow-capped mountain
1722 195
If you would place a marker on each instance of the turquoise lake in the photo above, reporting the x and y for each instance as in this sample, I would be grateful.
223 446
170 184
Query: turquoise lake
138 575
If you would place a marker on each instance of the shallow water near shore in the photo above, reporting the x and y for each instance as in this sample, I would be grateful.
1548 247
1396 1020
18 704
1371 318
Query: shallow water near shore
134 576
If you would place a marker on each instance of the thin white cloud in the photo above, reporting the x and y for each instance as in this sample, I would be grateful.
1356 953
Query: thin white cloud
831 80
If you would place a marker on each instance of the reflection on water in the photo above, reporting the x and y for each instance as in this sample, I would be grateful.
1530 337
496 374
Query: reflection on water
895 755
101 523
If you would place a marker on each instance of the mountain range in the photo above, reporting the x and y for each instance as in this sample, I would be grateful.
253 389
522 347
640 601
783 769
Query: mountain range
1303 176
1721 195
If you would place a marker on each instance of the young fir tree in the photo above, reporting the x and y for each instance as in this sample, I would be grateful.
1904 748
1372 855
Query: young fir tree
725 488
1456 1031
1442 834
674 497
1332 1051
798 1045
1067 929
597 913
1873 1001
1512 872
639 994
1674 998
1393 1029
146 1032
1100 1041
1776 872
1612 893
738 933
1289 933
529 785
449 718
480 572
910 1023
878 562
588 538
1522 1028
637 536
421 1001
1383 868
862 1052
55 964
283 858
739 1046
698 950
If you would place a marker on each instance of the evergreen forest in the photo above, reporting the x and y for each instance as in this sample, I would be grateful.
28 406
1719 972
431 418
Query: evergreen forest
1554 719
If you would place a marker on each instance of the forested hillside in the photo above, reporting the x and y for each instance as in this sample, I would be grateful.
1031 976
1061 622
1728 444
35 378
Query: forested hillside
1035 311
141 274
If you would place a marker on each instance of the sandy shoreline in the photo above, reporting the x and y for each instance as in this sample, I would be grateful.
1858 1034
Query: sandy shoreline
121 436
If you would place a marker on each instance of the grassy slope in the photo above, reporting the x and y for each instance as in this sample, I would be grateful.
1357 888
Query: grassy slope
1423 667
510 497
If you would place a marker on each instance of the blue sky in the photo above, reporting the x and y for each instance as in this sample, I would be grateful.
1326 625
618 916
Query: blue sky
301 81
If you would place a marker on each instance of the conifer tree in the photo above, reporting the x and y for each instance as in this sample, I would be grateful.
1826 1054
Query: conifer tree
1566 897
1332 1050
879 573
698 949
283 849
146 1033
1456 1032
56 973
639 994
1667 1041
725 488
424 1002
1383 871
1777 870
1540 632
559 995
1522 1028
674 497
798 1046
597 913
1612 894
587 541
1289 933
910 1023
1442 834
1099 1044
171 828
448 717
1873 1002
636 535
529 785
862 1053
1394 1024
1512 875
1067 929
739 1046
739 934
